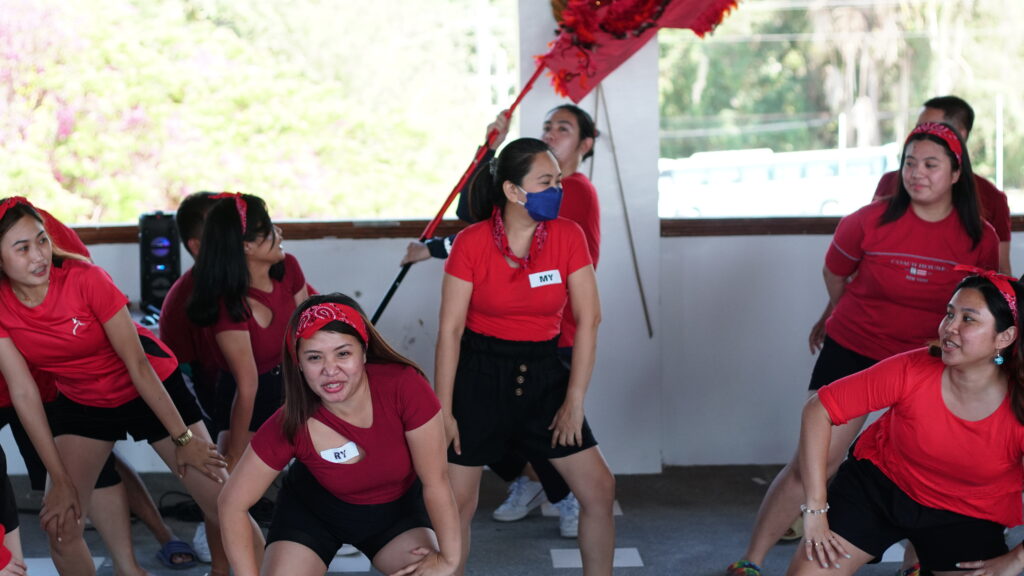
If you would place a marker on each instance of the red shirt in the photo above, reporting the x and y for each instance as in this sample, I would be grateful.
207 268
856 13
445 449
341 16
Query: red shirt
579 204
904 277
937 458
64 335
266 342
402 401
994 207
514 303
65 239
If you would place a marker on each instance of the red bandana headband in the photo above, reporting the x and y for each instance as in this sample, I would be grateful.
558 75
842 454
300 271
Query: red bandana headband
943 132
11 202
316 317
240 204
1000 281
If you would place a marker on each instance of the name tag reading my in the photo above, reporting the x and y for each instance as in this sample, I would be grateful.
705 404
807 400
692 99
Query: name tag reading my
545 278
340 455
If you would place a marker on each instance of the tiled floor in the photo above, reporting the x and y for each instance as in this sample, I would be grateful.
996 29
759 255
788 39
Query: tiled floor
685 521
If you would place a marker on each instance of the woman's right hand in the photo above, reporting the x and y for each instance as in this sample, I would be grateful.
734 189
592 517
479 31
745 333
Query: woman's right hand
415 252
451 432
820 544
201 455
60 505
500 127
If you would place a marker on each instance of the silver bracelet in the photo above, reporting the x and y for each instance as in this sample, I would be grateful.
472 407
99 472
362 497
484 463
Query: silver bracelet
804 509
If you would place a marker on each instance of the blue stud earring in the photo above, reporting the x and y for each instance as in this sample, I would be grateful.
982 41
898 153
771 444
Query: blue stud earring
998 360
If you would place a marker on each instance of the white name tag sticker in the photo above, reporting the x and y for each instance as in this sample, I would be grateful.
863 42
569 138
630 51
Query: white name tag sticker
343 454
545 278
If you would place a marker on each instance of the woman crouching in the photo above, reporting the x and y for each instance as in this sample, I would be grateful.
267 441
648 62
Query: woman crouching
365 431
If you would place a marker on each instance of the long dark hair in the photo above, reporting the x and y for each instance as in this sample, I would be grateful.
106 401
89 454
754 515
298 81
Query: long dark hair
17 212
513 164
221 272
1013 355
299 401
587 127
965 198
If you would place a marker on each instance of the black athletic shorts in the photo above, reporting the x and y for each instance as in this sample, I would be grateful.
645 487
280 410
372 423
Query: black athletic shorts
835 362
269 397
870 511
308 514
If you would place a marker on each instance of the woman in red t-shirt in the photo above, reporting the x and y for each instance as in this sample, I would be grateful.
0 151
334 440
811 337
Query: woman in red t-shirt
245 289
888 272
943 466
63 315
501 384
365 431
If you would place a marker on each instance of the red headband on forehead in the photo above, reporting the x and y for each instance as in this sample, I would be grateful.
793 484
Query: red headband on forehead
942 131
1000 281
240 204
316 317
11 202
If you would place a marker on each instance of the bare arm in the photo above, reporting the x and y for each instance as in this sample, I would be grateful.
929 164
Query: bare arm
455 295
429 457
244 488
61 502
586 308
815 436
124 338
236 347
1004 258
835 285
301 295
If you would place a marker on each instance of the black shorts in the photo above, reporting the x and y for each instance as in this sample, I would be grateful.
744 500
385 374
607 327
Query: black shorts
269 397
506 395
133 417
308 514
870 511
34 464
835 362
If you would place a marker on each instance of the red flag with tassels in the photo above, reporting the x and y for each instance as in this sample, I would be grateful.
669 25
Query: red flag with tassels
597 36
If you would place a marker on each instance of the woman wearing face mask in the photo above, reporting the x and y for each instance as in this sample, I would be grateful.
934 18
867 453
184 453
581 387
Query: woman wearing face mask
570 132
497 371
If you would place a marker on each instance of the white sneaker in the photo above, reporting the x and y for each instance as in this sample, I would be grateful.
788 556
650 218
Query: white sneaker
200 545
523 495
568 516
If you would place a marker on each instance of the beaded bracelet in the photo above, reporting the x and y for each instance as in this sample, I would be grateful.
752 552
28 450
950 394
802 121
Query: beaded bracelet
804 509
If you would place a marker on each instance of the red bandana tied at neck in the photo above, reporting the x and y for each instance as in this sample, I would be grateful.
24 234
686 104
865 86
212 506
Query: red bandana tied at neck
540 236
1000 281
944 133
240 204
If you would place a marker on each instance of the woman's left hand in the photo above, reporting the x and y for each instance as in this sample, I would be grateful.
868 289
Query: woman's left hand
202 456
432 563
568 425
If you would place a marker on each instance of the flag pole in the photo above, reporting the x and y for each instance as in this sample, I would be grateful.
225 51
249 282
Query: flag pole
428 232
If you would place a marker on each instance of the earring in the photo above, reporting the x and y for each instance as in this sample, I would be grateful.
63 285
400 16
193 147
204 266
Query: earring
998 360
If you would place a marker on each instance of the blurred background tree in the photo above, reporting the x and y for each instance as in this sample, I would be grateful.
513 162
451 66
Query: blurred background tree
109 108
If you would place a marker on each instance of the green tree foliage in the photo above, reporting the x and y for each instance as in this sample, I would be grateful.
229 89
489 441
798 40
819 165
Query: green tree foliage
779 75
327 109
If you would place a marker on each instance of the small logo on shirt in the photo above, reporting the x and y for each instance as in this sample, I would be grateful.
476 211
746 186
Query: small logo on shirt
77 324
341 454
545 278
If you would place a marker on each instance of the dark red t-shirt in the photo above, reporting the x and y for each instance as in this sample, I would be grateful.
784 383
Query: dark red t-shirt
402 401
515 303
267 342
904 277
939 459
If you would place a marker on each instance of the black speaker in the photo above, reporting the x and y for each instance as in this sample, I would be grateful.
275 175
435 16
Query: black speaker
159 258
